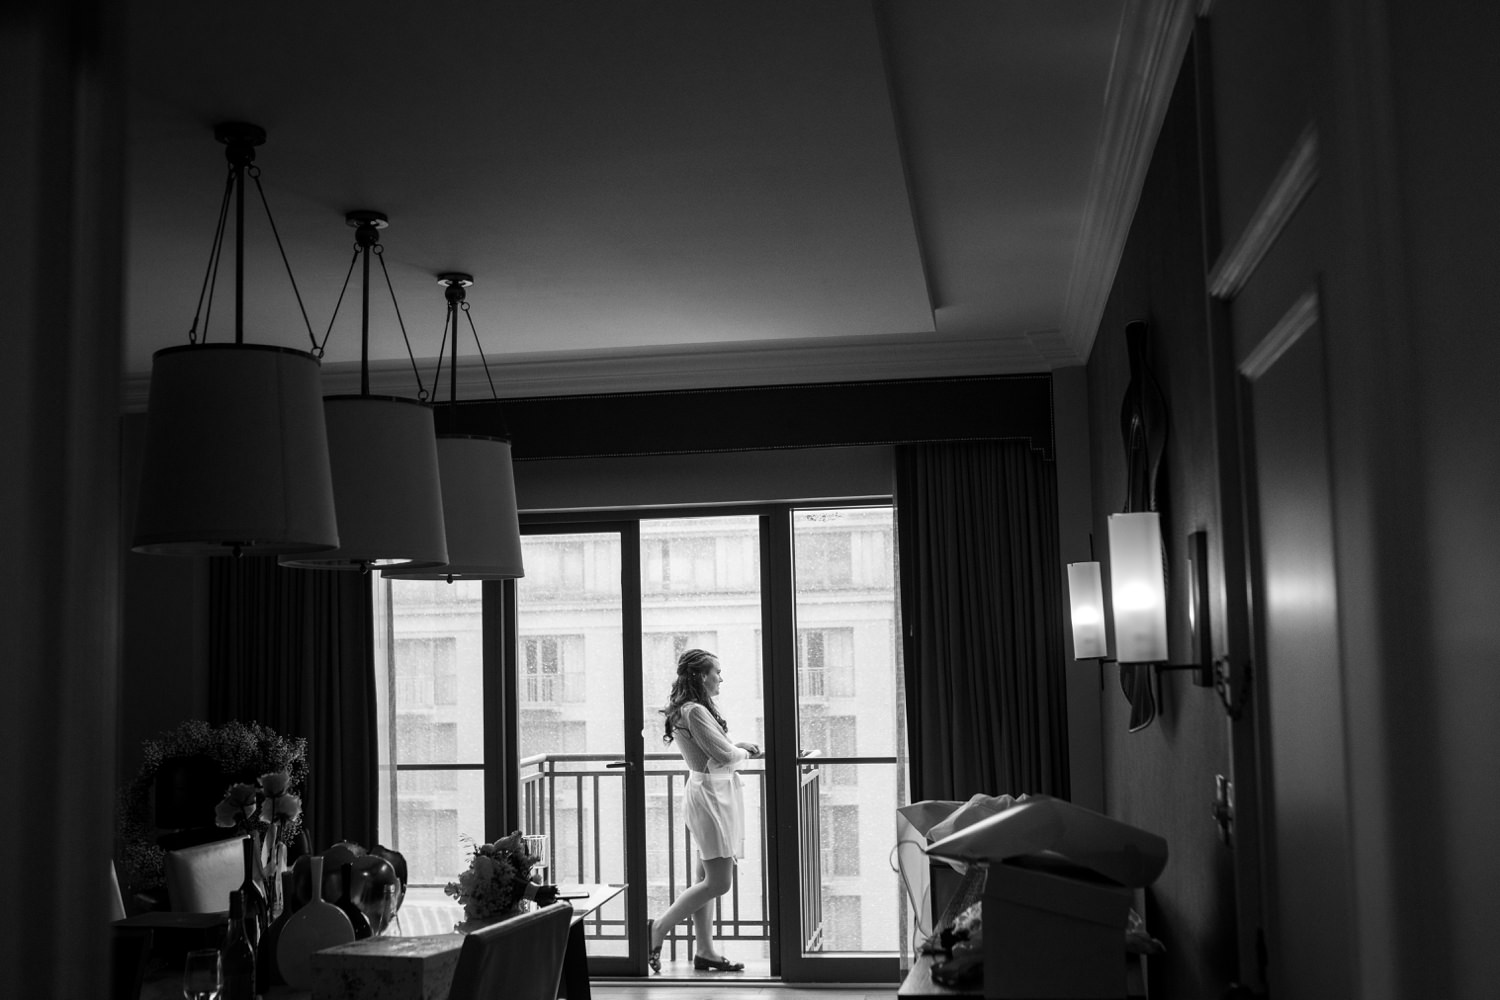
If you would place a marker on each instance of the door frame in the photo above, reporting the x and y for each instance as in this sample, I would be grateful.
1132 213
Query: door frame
779 700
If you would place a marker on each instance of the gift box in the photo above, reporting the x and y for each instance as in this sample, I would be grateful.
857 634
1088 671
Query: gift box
1053 933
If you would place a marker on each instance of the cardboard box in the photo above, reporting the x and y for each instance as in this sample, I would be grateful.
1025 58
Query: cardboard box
1053 935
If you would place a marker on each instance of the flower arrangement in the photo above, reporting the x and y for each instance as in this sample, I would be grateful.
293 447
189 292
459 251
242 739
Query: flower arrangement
498 877
263 806
240 750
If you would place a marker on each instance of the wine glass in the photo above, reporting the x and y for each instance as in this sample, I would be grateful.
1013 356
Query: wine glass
200 976
536 846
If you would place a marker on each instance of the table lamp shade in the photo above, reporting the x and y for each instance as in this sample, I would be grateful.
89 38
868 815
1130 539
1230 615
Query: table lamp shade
236 454
383 451
1138 588
1086 600
479 510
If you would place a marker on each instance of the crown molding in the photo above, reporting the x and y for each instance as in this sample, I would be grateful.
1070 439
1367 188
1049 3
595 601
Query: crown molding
700 366
1154 35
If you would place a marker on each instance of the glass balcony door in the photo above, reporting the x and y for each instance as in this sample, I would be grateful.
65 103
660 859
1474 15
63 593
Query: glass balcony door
701 589
834 764
577 720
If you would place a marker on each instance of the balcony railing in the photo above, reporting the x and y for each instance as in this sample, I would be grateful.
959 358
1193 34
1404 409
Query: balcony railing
552 781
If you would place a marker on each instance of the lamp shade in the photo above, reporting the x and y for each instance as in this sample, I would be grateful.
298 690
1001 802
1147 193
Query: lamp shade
1086 598
383 451
1137 588
236 454
479 509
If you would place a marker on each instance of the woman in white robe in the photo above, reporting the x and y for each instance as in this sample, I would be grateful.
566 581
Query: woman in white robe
713 806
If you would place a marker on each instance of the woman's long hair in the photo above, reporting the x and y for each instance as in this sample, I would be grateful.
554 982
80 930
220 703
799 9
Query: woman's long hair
688 687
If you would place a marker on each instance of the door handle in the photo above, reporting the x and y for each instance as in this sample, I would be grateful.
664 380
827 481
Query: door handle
619 763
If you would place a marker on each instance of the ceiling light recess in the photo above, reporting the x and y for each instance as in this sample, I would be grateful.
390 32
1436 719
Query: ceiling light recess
383 452
479 483
236 454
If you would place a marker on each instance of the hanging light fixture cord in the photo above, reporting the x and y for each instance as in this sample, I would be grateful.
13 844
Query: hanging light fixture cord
380 256
367 226
482 359
240 141
457 299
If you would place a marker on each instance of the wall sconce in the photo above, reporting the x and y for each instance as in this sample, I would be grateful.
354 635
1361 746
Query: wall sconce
1138 588
1086 598
1139 597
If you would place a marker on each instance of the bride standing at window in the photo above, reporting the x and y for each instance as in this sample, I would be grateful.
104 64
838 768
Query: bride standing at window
713 805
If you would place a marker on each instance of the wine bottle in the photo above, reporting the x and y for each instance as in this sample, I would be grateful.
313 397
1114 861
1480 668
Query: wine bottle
237 957
362 928
257 911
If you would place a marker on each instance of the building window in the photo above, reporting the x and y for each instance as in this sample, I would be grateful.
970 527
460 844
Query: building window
842 929
824 559
839 830
679 563
551 669
833 736
825 662
426 673
543 732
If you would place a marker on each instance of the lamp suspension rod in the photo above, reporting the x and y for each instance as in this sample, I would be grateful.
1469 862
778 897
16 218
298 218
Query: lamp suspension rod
239 241
367 226
240 140
456 294
364 323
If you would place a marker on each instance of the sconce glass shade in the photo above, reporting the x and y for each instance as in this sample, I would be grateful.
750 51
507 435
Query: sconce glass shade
1086 597
479 510
383 452
236 454
1138 588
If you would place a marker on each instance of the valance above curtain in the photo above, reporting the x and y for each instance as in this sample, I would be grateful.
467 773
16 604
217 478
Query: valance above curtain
294 650
981 607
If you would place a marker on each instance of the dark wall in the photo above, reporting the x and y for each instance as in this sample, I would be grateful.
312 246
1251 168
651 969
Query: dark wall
753 418
1163 777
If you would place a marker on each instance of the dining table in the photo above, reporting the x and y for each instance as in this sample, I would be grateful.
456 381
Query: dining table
416 958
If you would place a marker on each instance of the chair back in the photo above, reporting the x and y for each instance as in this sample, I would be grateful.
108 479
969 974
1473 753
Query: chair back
199 879
116 901
519 958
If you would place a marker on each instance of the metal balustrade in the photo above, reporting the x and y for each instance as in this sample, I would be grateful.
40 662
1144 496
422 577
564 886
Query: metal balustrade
743 913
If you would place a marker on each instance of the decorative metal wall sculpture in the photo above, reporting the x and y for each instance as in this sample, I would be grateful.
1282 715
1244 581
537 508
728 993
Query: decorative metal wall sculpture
1143 423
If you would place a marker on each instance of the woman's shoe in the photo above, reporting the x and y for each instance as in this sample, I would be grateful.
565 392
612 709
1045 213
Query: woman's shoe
653 955
716 964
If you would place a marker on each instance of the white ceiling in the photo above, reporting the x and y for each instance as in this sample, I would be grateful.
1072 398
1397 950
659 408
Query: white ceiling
712 192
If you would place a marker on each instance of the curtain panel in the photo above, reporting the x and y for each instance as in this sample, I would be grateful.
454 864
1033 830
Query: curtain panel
981 606
293 650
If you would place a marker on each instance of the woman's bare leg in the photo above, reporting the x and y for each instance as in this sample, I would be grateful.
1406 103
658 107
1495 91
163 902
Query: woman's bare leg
715 876
703 920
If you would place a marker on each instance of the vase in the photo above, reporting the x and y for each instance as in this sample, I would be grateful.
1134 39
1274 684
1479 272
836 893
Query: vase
273 865
252 892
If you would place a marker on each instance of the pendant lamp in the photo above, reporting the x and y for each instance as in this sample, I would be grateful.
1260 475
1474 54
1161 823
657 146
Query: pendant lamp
383 452
479 484
236 452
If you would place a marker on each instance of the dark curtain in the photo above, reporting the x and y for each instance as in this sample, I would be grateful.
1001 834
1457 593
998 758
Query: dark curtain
981 606
293 650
